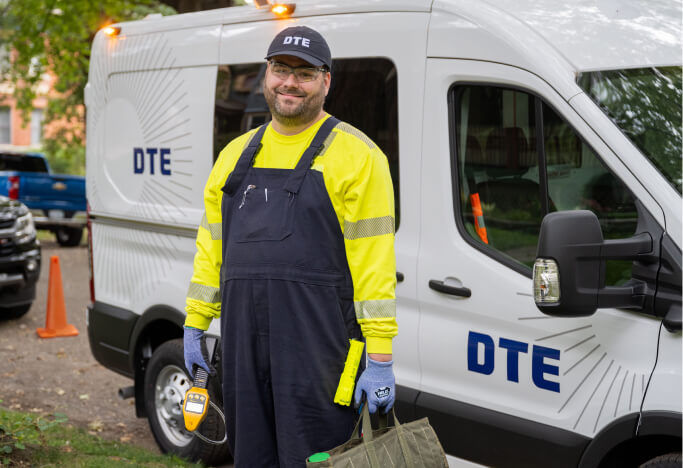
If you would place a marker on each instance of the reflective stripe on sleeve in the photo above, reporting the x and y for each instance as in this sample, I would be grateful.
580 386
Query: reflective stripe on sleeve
348 128
201 292
215 229
381 308
368 227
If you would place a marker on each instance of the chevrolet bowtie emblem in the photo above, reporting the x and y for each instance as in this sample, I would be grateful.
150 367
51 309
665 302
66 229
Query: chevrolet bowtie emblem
59 186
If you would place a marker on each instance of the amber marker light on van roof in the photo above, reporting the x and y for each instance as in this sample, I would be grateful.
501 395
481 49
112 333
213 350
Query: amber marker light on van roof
283 9
112 31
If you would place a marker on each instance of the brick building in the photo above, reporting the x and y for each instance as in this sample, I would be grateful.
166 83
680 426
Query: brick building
14 133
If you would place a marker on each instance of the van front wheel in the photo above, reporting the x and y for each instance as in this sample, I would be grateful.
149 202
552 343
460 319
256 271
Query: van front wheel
671 460
166 382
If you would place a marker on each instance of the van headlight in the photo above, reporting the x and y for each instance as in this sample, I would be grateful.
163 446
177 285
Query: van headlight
546 281
26 229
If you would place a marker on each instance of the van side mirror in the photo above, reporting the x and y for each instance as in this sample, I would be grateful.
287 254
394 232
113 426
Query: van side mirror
569 272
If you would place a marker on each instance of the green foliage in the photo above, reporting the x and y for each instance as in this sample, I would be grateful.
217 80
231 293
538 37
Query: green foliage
53 37
19 430
65 158
41 441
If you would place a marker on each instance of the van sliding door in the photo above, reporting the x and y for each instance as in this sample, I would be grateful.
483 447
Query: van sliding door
377 84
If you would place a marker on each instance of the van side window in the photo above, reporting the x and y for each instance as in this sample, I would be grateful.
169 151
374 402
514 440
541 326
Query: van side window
577 180
516 160
363 92
497 162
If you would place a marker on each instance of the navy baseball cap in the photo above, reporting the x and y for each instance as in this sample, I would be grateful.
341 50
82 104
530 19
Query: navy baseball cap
302 42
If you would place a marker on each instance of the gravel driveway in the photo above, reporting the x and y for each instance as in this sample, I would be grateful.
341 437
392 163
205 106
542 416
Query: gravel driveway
60 374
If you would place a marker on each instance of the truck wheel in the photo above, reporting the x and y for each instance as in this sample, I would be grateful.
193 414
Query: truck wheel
14 312
671 460
165 385
69 237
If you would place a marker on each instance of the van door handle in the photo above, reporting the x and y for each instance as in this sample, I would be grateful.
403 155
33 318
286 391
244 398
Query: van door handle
440 286
399 277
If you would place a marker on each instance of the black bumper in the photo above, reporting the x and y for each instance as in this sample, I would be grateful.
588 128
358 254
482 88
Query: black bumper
109 332
17 279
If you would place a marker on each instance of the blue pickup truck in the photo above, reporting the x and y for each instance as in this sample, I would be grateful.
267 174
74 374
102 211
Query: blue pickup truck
56 200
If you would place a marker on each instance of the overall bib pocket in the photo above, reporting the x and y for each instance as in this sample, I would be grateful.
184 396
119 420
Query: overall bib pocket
263 214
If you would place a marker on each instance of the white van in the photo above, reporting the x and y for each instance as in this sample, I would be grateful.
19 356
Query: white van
492 114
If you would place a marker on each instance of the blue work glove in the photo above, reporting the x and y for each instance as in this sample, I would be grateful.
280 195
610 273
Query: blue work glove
378 383
194 345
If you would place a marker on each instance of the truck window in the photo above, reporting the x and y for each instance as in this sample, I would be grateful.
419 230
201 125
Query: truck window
363 92
22 163
645 103
516 160
577 180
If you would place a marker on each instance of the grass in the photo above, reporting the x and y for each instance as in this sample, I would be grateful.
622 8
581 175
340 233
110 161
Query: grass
45 235
45 441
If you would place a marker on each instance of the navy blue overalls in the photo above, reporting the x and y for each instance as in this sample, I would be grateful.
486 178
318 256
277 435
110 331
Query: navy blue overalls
287 311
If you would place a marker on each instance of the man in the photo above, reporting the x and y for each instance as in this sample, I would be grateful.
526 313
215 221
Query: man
297 249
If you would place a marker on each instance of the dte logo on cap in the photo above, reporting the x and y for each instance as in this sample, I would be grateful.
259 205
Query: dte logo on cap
302 42
295 39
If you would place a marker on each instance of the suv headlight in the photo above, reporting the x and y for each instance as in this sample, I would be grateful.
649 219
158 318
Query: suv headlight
26 229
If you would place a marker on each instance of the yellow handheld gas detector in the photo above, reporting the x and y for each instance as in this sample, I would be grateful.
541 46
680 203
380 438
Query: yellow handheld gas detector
196 403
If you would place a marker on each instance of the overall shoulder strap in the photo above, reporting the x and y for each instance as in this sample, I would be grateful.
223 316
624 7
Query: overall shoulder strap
296 178
245 161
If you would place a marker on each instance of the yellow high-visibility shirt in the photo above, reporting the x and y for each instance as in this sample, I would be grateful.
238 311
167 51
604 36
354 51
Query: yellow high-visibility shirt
358 182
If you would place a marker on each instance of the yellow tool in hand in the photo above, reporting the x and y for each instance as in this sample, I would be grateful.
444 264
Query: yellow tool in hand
196 403
347 380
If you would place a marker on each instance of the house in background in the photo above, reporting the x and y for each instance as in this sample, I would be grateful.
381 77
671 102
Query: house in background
14 133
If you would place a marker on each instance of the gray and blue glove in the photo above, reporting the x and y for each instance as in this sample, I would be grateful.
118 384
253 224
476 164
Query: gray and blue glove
195 351
378 383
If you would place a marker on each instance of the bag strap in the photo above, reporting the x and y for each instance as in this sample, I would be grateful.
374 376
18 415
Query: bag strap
401 434
368 438
383 420
383 423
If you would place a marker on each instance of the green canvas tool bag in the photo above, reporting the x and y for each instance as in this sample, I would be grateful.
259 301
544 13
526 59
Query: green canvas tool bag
410 445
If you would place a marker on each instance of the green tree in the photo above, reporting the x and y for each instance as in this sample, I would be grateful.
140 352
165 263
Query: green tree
54 37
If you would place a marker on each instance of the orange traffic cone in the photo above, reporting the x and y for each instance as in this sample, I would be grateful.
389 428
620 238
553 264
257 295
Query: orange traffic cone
55 320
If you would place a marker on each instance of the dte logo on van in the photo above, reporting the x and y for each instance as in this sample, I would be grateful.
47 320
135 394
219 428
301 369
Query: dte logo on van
483 363
295 39
152 153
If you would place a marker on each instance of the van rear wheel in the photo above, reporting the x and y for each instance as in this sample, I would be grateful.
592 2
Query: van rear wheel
166 382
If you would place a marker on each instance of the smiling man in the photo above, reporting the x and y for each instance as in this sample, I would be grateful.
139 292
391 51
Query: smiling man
297 249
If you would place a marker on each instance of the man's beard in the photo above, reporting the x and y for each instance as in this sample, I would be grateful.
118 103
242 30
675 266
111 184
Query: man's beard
307 110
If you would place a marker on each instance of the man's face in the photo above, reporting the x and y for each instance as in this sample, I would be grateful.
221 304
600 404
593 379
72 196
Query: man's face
292 102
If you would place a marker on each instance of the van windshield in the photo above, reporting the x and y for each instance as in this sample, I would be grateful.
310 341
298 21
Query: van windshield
646 105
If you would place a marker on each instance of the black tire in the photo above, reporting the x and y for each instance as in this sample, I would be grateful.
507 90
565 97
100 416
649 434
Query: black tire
166 382
14 312
68 237
670 460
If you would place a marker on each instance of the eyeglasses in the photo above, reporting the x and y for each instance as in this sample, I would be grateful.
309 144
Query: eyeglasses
302 74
